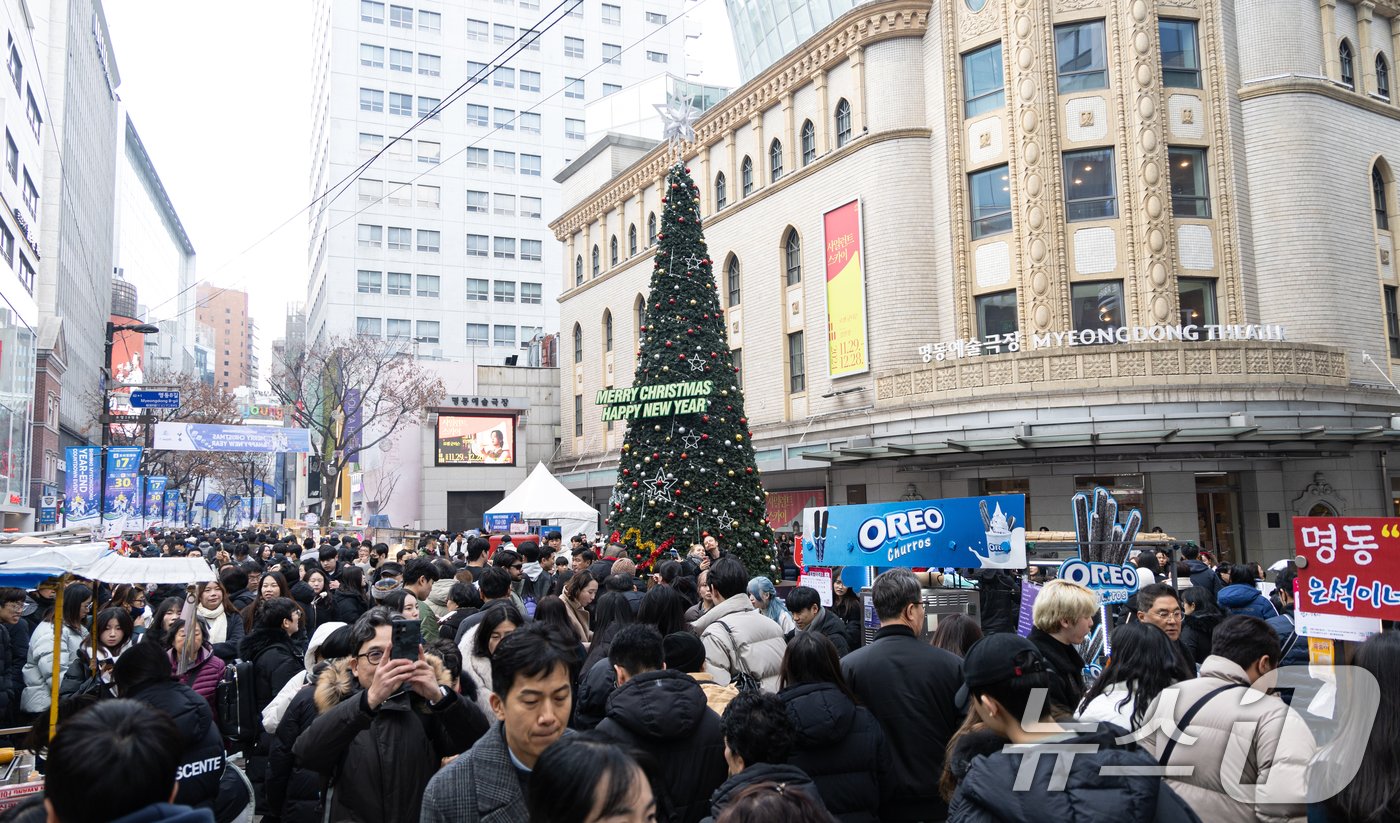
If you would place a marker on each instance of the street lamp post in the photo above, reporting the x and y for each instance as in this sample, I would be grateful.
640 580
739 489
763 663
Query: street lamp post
105 418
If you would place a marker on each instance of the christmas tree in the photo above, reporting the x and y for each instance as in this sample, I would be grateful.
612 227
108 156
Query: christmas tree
687 467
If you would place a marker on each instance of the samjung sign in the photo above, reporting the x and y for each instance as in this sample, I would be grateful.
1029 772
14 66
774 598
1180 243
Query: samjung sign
1113 336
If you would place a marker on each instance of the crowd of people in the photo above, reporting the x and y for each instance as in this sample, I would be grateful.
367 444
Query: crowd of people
447 681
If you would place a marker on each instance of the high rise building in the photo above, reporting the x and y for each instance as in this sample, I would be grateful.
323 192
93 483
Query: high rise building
225 313
766 30
444 238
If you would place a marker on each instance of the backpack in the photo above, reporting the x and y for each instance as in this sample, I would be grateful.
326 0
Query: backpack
238 714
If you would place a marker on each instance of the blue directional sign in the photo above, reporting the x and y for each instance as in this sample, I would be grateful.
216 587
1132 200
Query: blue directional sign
155 399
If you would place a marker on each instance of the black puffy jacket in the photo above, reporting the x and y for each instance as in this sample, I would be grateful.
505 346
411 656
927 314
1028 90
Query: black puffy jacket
664 717
275 661
595 685
1197 631
293 792
1001 599
202 758
840 746
987 792
790 777
347 606
1066 669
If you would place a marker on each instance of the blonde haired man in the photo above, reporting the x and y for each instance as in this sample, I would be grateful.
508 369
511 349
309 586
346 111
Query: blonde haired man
1063 616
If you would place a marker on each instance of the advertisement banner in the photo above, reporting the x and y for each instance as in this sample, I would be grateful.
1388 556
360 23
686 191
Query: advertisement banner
845 292
785 507
121 508
500 522
1351 566
960 532
354 424
155 502
172 499
245 510
82 489
136 521
181 512
475 440
199 437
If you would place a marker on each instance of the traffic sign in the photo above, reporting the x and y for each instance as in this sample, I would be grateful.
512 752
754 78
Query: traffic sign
155 399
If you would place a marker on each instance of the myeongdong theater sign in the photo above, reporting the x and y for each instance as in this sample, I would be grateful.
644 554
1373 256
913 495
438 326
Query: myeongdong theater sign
1115 336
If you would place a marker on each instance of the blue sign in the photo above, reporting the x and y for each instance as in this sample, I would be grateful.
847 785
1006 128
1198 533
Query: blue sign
499 522
211 438
155 399
155 501
1112 583
121 510
960 532
172 500
83 486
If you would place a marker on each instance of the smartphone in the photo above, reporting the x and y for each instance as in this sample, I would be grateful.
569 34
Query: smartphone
407 636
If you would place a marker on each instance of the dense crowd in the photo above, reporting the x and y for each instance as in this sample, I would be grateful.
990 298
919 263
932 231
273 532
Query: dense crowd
448 681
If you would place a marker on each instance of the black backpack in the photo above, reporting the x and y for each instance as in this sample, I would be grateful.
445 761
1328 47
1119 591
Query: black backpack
238 711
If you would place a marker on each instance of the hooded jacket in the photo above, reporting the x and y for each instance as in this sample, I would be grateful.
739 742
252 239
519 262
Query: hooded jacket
434 608
14 648
1275 756
988 790
347 606
202 760
840 746
1204 576
380 762
751 643
790 777
1197 631
663 714
1238 598
275 661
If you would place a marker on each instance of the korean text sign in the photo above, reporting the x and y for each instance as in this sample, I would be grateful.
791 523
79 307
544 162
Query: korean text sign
845 291
1353 565
960 532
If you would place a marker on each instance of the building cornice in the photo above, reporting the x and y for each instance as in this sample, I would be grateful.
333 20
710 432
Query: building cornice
1297 84
861 27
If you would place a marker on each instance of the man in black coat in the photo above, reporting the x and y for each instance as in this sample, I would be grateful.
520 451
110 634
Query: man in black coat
1202 575
275 661
805 605
1000 594
758 738
14 651
662 714
909 686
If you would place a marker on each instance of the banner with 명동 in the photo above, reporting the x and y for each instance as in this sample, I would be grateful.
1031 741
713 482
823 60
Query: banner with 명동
155 501
960 532
82 489
1352 566
843 253
122 506
212 438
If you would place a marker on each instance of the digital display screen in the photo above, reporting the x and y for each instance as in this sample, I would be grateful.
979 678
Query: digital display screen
475 440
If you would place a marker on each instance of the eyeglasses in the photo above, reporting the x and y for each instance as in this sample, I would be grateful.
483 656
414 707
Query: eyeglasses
373 656
518 566
1170 617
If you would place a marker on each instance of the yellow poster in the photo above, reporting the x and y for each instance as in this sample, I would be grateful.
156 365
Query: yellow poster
845 292
1320 651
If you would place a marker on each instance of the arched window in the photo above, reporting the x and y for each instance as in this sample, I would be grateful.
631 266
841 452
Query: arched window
597 260
1379 199
612 251
639 306
775 159
1346 55
809 142
607 330
792 257
578 271
651 229
1382 76
632 240
731 273
746 175
843 123
721 193
578 343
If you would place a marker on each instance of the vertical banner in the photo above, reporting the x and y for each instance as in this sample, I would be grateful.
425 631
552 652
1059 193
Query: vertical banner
181 512
354 422
155 502
119 509
82 488
845 292
245 510
172 502
136 521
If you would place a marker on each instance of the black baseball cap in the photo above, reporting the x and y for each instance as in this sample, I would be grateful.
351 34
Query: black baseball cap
998 658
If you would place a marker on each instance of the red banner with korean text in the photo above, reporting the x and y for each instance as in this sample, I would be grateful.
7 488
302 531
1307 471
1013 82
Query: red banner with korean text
1352 565
785 507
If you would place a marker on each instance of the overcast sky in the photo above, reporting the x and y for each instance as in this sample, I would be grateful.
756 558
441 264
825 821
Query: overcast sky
220 93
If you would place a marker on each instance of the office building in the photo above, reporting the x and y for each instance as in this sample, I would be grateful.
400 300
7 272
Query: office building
767 30
232 335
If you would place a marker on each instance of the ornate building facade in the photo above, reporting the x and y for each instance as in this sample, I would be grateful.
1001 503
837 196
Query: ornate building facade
1102 242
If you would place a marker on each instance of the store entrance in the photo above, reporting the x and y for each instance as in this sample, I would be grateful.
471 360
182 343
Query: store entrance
1218 516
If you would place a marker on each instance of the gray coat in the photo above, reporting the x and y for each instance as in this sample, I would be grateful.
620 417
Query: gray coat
481 786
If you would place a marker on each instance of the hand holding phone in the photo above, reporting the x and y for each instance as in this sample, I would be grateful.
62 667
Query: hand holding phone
407 638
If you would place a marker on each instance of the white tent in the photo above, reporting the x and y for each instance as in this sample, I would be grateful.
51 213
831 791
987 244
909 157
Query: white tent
543 497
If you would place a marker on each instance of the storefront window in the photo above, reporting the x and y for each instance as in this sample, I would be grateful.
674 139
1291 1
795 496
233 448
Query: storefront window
1197 301
996 314
1097 305
16 400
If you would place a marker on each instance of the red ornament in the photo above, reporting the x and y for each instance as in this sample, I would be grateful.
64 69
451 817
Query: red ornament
672 301
656 455
748 470
704 437
687 171
685 456
678 492
680 219
682 355
729 408
671 515
634 484
705 418
664 200
668 344
743 421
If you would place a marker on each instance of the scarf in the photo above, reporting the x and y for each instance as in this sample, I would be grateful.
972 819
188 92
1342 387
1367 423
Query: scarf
218 622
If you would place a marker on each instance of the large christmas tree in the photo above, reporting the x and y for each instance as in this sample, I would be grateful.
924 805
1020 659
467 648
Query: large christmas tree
687 468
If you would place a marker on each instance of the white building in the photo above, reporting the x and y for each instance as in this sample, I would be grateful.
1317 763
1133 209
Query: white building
443 240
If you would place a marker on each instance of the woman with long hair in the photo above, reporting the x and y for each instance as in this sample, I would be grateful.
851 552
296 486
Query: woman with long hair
273 584
350 599
481 641
1201 616
316 579
585 778
764 596
579 593
402 603
597 679
162 616
40 665
956 633
1143 664
1373 795
221 616
845 604
114 636
133 599
838 743
664 608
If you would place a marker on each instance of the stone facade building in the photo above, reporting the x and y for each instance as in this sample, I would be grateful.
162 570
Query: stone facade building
1104 242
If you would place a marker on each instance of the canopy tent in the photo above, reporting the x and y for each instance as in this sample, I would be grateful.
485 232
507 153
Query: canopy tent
28 566
543 497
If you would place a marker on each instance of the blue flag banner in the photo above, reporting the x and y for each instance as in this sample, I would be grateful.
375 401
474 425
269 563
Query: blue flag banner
122 506
172 498
181 512
960 532
82 489
155 502
211 438
245 510
214 502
